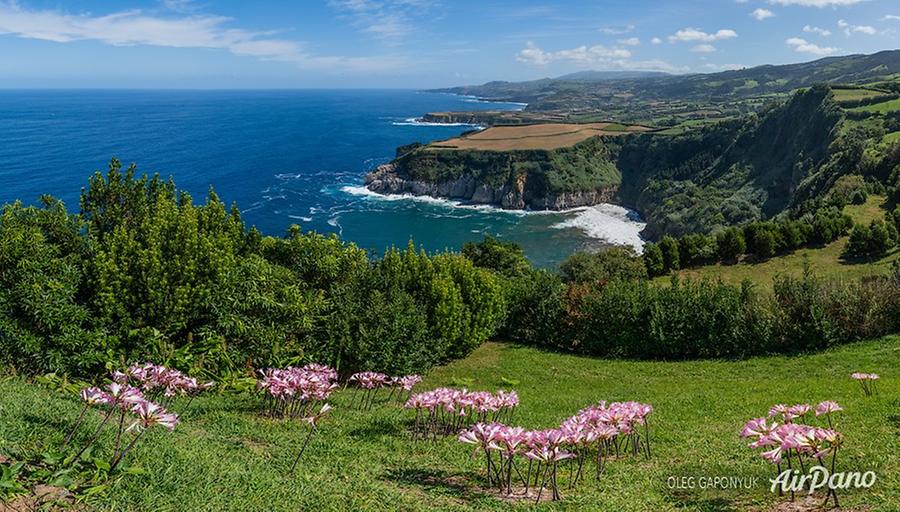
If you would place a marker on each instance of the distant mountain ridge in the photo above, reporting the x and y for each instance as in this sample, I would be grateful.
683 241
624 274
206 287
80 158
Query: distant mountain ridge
593 75
567 93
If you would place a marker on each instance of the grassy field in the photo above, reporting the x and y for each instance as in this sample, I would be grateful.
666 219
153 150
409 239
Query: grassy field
884 106
824 261
224 456
537 136
856 94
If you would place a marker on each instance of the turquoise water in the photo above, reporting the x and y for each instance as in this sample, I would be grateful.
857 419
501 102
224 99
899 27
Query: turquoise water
285 157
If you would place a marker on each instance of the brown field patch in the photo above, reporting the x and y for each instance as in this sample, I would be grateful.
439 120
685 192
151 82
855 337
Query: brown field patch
536 136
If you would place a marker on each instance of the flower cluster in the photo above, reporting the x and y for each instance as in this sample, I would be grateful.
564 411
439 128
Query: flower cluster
294 392
783 438
595 433
867 381
371 382
160 383
127 401
446 410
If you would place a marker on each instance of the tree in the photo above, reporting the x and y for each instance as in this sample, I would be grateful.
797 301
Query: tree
731 244
507 258
615 263
653 260
670 252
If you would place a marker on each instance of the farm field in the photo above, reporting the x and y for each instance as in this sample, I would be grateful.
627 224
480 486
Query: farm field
856 94
224 456
538 136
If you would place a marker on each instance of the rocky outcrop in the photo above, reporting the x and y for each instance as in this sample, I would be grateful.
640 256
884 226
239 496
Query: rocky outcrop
516 195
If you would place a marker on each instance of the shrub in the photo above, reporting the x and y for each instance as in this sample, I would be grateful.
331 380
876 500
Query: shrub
600 267
506 258
730 243
653 260
670 252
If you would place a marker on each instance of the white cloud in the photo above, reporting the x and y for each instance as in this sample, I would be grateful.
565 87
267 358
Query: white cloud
134 27
761 14
631 41
850 29
704 48
816 30
692 34
617 31
388 20
656 40
723 67
891 17
816 3
802 46
596 57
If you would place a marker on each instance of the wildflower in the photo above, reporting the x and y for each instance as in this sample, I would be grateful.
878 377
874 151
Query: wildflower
827 407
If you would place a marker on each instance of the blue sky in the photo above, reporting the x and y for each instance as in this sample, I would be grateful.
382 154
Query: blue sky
414 43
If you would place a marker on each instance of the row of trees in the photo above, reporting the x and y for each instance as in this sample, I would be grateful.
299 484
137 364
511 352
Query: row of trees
761 239
601 304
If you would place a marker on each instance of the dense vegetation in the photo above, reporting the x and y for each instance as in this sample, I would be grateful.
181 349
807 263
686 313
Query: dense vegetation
143 273
739 171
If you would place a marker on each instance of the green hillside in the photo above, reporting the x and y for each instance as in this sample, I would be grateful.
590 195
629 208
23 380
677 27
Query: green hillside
225 456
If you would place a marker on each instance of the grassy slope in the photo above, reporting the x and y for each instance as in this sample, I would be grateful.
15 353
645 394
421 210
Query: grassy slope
224 457
825 261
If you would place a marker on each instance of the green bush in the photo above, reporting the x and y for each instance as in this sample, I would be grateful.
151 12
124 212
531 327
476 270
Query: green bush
144 273
606 265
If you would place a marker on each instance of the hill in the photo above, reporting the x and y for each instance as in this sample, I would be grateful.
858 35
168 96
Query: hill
575 94
594 76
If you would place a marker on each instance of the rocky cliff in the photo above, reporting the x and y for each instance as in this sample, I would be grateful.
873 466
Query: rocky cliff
516 193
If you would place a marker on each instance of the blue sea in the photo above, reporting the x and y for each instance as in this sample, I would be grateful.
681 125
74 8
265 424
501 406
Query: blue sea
285 157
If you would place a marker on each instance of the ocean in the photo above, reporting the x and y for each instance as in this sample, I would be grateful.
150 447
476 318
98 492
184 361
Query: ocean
285 157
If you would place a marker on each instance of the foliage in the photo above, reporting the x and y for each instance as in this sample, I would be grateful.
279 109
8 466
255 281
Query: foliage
606 265
505 258
873 240
144 273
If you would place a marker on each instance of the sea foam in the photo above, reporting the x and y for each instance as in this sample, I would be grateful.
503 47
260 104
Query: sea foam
608 222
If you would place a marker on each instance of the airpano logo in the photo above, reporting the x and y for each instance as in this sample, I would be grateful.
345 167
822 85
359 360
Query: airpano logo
820 478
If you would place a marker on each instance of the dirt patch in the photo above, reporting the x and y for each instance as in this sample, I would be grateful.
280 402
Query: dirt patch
42 497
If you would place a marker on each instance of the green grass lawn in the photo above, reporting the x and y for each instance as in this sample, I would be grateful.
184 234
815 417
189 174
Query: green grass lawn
224 456
824 261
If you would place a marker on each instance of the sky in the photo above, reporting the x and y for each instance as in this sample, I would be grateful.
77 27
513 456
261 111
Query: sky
236 44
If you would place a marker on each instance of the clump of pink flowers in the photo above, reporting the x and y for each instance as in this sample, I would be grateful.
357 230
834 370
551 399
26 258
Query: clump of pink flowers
444 411
784 439
160 383
403 386
368 383
595 433
133 409
295 392
867 381
298 393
